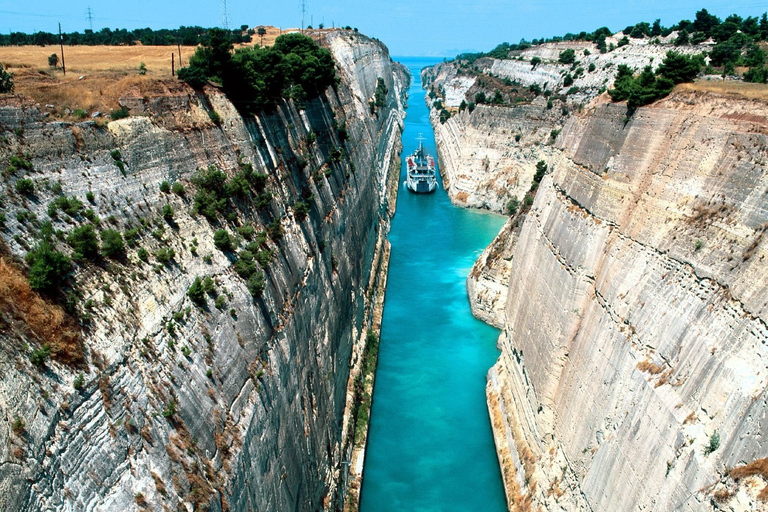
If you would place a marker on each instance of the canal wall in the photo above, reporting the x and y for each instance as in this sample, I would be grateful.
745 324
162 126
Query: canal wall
235 399
631 294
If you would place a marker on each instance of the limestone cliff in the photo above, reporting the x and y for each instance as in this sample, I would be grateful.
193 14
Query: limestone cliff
236 404
633 366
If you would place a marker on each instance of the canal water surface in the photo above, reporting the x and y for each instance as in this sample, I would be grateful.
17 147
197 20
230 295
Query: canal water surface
430 446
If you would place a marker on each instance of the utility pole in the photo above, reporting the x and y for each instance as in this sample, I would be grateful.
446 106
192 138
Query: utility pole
89 16
303 13
173 64
61 43
224 15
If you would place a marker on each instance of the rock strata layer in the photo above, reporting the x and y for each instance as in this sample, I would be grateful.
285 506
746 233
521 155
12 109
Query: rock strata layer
238 404
633 366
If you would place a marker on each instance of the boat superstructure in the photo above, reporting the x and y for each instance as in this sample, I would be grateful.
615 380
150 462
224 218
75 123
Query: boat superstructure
421 176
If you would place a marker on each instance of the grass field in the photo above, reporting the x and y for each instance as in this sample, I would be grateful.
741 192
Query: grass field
97 76
745 89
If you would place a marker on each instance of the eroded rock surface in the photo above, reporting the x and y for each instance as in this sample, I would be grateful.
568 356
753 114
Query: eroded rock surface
238 404
633 366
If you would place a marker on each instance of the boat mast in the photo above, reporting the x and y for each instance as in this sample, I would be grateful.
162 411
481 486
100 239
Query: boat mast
421 140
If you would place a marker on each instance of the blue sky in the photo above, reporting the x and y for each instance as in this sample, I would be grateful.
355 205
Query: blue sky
408 27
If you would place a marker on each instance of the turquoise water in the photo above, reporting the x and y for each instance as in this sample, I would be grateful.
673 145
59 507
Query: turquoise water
430 444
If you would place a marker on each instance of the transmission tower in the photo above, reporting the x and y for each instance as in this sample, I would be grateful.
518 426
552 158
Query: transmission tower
224 14
89 17
303 13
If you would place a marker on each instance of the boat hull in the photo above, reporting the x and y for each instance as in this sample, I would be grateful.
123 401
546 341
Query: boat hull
421 186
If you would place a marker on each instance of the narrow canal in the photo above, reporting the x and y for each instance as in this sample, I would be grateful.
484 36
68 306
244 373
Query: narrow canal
430 444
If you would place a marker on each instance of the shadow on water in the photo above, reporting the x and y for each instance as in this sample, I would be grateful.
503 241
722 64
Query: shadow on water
430 445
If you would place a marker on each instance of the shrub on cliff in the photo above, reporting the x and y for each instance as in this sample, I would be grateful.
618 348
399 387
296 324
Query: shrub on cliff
47 266
223 240
84 242
196 292
567 56
6 80
112 245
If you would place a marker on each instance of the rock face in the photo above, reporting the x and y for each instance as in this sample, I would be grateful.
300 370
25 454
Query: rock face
237 405
633 366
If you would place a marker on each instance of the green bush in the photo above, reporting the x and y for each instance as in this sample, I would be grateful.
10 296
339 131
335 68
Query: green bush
567 56
247 231
223 240
380 95
119 113
112 245
178 189
84 242
256 284
39 356
142 254
714 442
196 292
90 197
245 265
300 210
47 266
275 229
25 186
512 205
209 286
165 187
79 382
168 212
6 80
165 255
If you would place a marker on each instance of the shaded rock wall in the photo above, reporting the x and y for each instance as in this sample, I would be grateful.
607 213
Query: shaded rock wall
233 408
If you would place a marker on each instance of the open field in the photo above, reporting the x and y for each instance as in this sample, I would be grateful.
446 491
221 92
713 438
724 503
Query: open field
97 76
81 60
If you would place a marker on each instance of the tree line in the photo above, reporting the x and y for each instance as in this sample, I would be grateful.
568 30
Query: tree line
735 41
187 36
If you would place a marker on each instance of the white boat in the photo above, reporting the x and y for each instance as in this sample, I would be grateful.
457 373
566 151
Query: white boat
421 177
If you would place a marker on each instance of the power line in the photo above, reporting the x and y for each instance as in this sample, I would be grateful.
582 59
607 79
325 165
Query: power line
89 16
224 15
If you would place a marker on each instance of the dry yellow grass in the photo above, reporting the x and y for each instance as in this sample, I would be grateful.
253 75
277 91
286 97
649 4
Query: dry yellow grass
757 467
97 76
40 318
729 87
82 60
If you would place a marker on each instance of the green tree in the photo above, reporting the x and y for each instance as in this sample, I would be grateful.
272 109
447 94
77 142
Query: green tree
53 60
512 205
262 32
535 61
